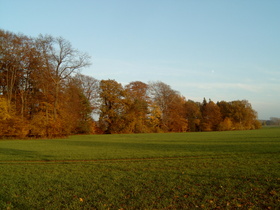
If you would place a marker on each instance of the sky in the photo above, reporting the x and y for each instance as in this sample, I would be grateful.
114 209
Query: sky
218 49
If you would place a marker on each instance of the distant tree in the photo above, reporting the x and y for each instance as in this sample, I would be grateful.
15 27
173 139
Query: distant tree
113 107
211 116
193 115
240 113
61 60
225 125
226 109
89 87
275 121
77 108
155 118
42 94
243 115
137 113
171 105
176 115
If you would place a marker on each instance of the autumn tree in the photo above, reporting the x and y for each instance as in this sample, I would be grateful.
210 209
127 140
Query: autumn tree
61 60
10 124
211 116
14 63
176 115
4 112
243 115
19 61
226 114
154 118
77 107
239 115
225 125
42 94
113 107
90 88
193 115
83 99
33 73
171 105
136 93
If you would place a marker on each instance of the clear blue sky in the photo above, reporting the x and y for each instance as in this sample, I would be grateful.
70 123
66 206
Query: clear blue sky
222 50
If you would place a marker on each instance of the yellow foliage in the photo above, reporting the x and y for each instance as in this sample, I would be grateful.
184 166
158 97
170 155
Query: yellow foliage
155 117
43 125
4 113
39 125
226 125
14 127
11 125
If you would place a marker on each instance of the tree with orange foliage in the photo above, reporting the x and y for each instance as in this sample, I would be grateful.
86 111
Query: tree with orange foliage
136 93
240 113
62 60
211 116
113 108
42 96
171 105
193 115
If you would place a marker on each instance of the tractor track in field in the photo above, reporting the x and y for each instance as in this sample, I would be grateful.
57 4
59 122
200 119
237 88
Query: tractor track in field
109 160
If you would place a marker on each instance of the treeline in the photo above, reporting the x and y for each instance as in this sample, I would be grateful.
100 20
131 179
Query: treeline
273 121
38 94
156 107
42 94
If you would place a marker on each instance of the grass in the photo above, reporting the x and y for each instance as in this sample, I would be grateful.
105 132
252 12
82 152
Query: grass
227 170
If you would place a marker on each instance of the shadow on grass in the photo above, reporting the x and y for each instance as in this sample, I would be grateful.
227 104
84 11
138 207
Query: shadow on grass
161 147
23 154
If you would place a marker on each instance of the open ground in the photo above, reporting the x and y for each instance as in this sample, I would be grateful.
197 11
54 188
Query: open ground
226 170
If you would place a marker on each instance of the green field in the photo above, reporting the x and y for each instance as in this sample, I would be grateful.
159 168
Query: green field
226 170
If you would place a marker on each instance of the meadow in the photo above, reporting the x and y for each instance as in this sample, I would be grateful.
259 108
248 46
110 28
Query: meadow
209 170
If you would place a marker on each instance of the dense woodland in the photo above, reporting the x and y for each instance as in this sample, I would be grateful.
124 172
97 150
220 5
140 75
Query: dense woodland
43 94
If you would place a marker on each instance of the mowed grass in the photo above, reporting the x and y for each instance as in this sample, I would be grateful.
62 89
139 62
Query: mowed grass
226 170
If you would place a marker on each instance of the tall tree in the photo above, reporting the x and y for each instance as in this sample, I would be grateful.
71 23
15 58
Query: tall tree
138 107
113 107
239 114
19 63
89 87
33 75
211 116
77 109
12 61
243 114
193 115
61 60
176 115
171 105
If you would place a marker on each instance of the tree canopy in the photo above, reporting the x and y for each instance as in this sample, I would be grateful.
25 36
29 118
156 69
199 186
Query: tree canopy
43 94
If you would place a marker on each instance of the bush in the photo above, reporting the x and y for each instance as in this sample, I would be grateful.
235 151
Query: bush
14 127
